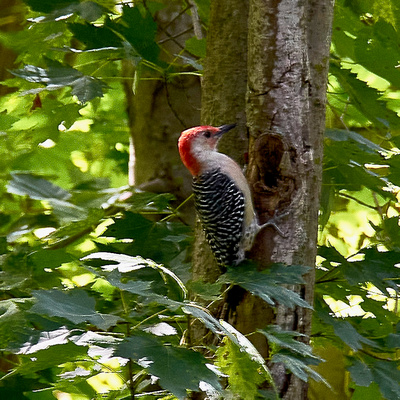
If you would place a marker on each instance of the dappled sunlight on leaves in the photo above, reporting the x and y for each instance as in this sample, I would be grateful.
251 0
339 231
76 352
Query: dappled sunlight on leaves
96 293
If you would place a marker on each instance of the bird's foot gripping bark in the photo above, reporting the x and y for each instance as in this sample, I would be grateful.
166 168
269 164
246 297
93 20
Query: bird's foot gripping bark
274 223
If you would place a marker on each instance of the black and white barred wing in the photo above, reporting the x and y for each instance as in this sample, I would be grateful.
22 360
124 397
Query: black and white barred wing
220 206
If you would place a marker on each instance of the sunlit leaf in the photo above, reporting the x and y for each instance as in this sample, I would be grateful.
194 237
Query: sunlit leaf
75 227
45 340
125 263
86 88
50 358
243 374
376 48
366 99
196 47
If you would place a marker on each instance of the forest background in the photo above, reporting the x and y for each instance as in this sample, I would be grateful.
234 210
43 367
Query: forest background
96 219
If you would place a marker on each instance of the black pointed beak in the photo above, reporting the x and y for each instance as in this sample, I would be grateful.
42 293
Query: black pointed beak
225 128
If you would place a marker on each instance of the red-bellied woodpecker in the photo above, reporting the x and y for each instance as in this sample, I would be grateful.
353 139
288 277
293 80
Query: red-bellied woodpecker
222 195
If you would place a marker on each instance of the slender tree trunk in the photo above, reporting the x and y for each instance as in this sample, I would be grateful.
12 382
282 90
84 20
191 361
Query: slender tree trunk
224 88
223 98
288 64
12 18
286 49
160 109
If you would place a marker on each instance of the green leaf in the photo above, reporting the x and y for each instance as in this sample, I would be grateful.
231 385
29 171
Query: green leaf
125 263
94 338
360 373
7 120
178 369
203 8
47 6
246 346
159 241
394 163
10 316
265 284
377 267
75 305
86 88
288 274
196 47
50 358
14 393
142 288
206 290
96 37
298 367
387 376
147 201
129 226
87 10
44 340
366 393
67 211
244 375
286 340
50 258
139 30
342 135
377 49
75 227
24 184
223 328
206 318
366 99
349 335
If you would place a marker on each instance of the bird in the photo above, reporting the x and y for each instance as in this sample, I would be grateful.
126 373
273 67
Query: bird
222 195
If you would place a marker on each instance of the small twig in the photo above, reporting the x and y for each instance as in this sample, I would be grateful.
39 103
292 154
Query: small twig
174 212
183 11
377 206
172 107
170 37
196 20
347 196
149 318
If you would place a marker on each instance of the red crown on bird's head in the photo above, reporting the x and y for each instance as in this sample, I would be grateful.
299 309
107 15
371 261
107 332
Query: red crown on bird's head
205 136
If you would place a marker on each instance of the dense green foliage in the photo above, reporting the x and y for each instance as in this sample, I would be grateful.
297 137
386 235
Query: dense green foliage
95 276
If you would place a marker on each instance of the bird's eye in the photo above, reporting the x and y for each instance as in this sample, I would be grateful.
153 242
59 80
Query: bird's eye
207 134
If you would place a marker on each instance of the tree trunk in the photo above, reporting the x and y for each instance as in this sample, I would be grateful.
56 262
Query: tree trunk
12 18
286 45
288 65
160 109
223 99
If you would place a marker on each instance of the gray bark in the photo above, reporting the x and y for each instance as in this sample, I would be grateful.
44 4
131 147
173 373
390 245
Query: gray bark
223 99
282 109
288 64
